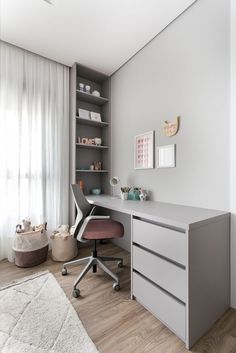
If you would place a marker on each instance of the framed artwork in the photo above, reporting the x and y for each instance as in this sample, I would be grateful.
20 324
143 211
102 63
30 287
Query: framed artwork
95 116
166 156
84 114
144 150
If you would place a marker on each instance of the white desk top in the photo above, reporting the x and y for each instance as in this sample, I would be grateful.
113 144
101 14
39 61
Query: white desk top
184 217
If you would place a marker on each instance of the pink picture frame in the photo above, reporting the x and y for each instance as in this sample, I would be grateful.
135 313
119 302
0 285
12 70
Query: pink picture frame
144 150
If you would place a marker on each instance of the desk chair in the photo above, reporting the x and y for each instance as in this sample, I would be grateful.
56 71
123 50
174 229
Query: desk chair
89 227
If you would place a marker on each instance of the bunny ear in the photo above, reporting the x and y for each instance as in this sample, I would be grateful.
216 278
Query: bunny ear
177 123
166 122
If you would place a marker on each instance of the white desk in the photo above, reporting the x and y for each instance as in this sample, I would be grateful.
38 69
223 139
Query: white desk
179 262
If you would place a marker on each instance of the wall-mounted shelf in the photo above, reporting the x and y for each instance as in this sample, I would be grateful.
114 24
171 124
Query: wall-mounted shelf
91 171
89 122
83 145
87 97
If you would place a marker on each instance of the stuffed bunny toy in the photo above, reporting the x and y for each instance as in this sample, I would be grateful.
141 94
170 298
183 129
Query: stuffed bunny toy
27 225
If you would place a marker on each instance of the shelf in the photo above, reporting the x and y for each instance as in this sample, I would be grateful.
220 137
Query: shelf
89 98
91 171
90 74
83 145
83 121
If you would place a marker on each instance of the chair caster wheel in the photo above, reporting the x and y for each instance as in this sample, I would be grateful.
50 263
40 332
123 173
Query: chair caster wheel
76 293
64 272
116 287
120 264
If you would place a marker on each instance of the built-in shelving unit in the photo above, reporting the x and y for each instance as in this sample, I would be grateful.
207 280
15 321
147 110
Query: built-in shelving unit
84 154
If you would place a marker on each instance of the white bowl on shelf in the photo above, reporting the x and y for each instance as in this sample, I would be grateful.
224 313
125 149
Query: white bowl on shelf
96 93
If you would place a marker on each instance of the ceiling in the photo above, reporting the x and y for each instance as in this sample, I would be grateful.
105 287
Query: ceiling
102 34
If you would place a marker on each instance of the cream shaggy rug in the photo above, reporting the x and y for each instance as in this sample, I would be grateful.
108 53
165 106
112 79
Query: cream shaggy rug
36 317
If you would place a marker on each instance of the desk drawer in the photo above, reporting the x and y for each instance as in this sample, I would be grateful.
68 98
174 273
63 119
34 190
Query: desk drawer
167 242
164 273
164 307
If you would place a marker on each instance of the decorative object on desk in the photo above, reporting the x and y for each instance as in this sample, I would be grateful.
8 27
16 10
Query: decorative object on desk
64 245
166 156
30 244
91 167
96 191
95 116
84 114
143 150
124 195
81 86
134 194
171 128
97 165
125 189
143 195
87 89
96 93
98 141
114 181
124 192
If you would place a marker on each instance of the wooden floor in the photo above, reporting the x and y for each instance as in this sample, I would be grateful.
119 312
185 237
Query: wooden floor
118 324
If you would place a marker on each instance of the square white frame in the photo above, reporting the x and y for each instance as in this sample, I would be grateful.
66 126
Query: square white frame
95 116
166 156
147 150
84 113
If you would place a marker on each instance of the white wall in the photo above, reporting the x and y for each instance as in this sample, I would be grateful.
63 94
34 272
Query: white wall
233 153
185 70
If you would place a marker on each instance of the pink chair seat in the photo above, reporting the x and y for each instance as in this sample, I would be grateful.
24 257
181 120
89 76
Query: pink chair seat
103 229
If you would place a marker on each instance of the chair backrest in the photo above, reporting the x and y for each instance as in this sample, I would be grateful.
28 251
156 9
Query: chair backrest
82 205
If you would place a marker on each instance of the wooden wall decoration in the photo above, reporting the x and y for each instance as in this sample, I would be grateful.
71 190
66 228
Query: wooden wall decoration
171 128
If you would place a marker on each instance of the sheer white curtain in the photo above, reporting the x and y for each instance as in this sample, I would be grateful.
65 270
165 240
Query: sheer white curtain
34 141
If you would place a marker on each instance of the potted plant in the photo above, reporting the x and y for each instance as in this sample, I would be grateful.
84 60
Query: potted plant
124 192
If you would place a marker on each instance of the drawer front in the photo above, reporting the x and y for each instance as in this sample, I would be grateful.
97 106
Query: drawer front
167 242
164 273
164 307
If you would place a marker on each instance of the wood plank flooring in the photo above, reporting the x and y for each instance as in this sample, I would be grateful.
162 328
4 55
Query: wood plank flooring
118 324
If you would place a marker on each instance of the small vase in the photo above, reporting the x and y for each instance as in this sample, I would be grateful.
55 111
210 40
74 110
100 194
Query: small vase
136 195
124 195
